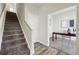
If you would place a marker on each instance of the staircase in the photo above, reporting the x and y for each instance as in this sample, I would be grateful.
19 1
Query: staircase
13 42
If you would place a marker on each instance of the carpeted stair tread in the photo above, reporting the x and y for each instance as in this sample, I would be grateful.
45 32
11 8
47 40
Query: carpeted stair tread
13 28
17 50
12 25
13 46
7 41
12 32
11 37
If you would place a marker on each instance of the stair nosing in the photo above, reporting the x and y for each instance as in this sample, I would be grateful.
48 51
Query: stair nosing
13 35
23 52
11 47
11 30
7 41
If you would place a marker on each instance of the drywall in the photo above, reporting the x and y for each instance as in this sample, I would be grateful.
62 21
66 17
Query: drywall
2 22
33 15
43 28
77 23
1 7
12 6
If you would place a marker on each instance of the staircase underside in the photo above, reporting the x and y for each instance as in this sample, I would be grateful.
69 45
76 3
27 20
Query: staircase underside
13 42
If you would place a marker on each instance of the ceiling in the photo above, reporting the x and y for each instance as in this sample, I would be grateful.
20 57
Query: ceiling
54 4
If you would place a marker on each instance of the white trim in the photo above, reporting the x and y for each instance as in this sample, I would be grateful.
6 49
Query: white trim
63 10
2 23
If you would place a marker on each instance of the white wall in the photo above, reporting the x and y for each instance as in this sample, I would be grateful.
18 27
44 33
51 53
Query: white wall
64 15
28 18
33 15
11 5
43 27
1 7
2 22
43 20
77 23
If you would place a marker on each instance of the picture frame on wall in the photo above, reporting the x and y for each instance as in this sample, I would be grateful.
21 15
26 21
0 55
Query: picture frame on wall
64 23
71 23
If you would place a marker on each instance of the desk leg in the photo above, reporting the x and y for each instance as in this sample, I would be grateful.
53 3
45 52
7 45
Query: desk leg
56 36
52 37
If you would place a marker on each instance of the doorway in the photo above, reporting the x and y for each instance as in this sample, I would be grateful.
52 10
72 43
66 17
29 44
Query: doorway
63 21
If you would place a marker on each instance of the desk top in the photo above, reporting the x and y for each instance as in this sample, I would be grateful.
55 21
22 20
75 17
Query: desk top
67 34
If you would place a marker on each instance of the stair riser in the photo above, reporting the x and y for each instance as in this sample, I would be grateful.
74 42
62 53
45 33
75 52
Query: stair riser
13 20
12 37
13 43
16 28
12 25
14 47
14 32
12 29
18 51
11 15
15 40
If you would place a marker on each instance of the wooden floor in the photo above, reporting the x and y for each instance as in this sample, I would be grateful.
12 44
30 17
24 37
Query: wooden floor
66 45
54 48
41 49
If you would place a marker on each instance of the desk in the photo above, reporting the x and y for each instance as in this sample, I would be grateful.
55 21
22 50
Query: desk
57 33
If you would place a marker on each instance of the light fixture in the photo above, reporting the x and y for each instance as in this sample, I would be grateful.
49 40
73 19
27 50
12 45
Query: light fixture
11 9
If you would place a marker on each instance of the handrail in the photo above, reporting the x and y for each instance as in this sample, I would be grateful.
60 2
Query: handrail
3 9
28 25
